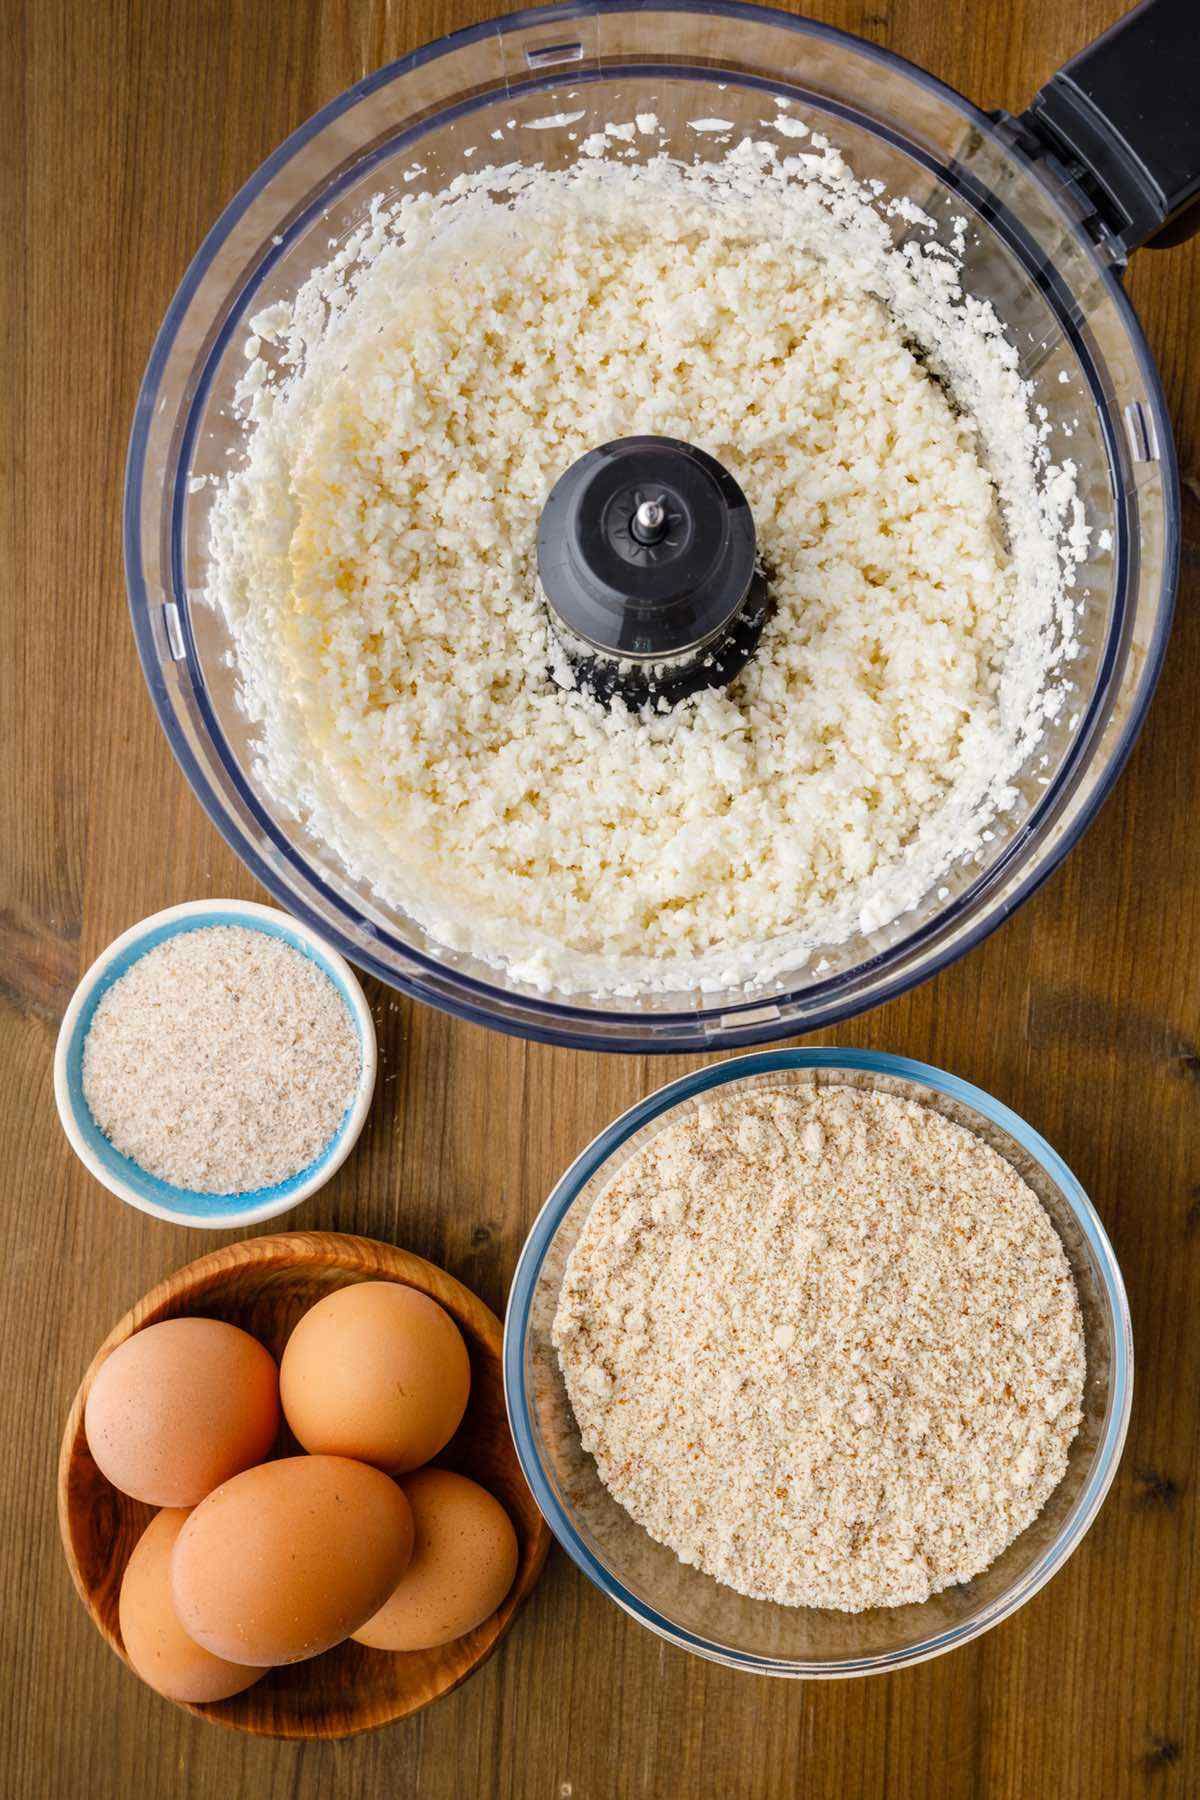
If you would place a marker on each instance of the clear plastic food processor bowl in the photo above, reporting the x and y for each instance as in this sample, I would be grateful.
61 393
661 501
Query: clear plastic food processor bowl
689 1608
1057 291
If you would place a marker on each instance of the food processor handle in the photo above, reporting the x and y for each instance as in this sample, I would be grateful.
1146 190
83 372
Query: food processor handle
1124 115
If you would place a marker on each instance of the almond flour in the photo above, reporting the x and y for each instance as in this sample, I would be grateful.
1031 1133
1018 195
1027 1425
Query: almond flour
825 1345
223 1060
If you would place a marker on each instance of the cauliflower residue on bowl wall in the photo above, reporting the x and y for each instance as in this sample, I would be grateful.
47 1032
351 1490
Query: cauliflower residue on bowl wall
374 558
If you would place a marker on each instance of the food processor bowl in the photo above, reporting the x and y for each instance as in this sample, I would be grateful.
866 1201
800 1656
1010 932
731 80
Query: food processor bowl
689 1608
1043 245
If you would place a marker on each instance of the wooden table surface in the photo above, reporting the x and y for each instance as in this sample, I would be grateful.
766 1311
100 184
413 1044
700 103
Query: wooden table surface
124 127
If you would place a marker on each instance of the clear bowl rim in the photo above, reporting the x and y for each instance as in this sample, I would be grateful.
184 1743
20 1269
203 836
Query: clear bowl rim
563 1196
281 1197
730 1023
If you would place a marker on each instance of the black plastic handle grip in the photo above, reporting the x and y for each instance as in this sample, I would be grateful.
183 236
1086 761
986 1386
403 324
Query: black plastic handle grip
1125 113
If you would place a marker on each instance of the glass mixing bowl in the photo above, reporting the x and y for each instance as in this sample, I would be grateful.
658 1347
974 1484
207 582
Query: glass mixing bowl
691 1609
1037 249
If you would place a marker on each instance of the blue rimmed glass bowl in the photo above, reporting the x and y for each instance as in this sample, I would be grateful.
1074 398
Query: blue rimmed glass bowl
127 1179
689 1608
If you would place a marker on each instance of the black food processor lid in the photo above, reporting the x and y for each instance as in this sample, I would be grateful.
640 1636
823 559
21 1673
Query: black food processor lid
646 559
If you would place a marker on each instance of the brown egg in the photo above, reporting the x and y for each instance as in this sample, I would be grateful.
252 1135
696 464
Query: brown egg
288 1559
161 1651
376 1371
180 1407
463 1563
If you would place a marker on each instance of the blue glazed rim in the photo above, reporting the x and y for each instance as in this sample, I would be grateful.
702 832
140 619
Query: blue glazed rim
563 1197
126 1178
736 1024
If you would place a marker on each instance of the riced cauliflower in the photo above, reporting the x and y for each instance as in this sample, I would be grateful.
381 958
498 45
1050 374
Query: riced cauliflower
374 557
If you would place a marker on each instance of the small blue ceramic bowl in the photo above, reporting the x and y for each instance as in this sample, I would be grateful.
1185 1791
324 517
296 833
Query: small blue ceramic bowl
125 1178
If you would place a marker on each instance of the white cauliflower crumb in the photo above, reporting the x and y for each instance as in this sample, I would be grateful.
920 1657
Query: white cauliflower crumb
553 121
374 558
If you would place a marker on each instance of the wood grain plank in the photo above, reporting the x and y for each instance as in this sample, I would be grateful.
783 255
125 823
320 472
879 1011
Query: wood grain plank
127 125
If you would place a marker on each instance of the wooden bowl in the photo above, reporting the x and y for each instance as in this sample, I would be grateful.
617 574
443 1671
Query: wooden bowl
264 1285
